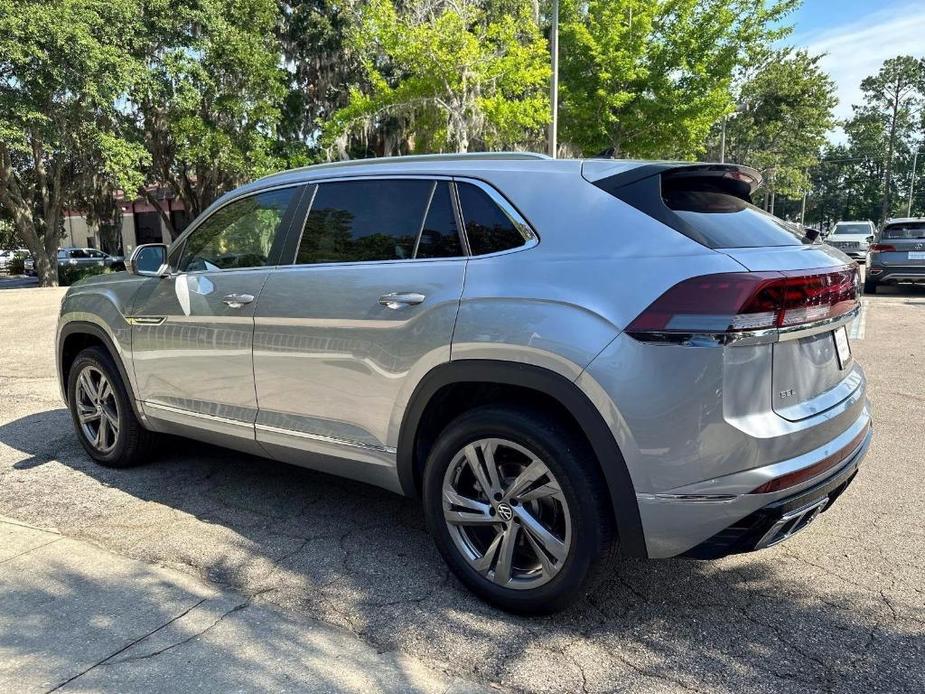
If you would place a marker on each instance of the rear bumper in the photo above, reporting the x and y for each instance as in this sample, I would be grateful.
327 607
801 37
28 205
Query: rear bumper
886 274
722 516
783 518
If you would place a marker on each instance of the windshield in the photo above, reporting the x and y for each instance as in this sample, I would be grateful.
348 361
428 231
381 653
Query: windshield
910 230
852 229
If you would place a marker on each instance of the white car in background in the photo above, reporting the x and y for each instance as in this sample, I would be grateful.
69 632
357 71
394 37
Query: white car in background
852 238
7 255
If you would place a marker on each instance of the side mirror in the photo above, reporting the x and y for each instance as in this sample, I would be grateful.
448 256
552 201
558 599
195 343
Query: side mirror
149 260
870 239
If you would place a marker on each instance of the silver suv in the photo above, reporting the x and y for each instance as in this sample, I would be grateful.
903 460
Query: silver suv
563 359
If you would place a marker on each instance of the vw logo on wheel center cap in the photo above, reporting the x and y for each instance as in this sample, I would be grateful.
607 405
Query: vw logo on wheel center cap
505 512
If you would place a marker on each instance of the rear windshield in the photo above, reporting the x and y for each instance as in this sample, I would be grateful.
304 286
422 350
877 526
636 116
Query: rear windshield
727 221
852 229
908 230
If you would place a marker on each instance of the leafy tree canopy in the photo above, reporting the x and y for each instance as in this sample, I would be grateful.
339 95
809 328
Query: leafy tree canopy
208 103
784 112
648 78
64 64
445 77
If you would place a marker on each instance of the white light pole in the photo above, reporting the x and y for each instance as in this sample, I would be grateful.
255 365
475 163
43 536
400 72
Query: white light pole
553 139
915 161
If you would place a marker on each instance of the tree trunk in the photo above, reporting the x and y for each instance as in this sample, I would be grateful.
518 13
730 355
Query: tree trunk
46 268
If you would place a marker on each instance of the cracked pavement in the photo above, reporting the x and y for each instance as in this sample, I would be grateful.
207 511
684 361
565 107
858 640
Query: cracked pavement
838 608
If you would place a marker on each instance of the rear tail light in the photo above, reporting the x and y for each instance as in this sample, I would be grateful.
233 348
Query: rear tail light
881 247
740 301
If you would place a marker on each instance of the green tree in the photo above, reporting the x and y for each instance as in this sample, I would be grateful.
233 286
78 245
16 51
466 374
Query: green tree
207 108
64 64
893 96
649 78
453 77
322 66
784 114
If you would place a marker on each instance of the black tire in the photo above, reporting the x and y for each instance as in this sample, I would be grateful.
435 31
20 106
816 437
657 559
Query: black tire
133 443
569 458
870 286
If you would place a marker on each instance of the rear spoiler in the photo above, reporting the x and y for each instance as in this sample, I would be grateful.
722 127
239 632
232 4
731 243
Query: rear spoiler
616 174
641 185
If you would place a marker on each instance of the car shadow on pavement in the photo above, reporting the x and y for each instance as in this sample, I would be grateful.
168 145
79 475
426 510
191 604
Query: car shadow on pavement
358 557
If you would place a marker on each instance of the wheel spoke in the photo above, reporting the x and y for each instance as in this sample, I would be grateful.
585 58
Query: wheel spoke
472 457
87 386
105 390
543 558
532 474
87 414
506 555
544 491
483 563
100 441
488 452
549 542
476 513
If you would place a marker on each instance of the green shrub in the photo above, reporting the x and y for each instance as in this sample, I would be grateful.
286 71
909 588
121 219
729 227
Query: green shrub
16 265
69 274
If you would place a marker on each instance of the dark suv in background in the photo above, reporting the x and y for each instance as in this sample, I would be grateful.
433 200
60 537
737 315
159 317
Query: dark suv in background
898 255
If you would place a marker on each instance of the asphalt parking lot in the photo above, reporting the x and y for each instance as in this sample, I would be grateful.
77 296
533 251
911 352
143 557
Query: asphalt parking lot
839 608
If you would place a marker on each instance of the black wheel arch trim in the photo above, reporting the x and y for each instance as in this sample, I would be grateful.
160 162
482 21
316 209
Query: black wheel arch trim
87 328
613 466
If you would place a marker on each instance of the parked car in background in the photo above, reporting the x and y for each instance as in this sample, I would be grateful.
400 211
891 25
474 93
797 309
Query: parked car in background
563 359
852 238
898 254
82 257
8 255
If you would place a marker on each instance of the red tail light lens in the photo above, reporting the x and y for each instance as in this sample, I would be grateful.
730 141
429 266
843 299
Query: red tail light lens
738 301
881 247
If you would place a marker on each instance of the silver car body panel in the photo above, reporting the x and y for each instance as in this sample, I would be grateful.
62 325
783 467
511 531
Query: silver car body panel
318 373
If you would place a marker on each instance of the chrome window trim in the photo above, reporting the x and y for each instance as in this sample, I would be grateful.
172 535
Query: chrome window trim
748 337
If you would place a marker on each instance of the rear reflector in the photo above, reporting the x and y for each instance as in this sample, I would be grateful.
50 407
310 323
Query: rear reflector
794 478
881 247
740 301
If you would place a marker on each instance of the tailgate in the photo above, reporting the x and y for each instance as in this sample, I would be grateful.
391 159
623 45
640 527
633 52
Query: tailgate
808 374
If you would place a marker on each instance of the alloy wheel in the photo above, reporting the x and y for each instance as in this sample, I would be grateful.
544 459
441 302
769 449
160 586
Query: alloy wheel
506 513
97 409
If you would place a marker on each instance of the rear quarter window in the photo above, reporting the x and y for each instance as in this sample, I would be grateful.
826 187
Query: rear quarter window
488 228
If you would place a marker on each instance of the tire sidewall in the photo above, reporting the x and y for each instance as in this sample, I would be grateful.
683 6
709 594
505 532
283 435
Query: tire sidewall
561 451
98 360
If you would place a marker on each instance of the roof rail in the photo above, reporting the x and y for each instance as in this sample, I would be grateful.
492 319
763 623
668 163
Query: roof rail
418 158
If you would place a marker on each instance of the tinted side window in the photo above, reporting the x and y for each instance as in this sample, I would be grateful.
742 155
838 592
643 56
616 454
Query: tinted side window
440 235
239 235
488 228
353 221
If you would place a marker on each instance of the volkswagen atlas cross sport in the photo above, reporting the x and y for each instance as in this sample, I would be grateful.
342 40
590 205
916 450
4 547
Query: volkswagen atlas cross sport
564 360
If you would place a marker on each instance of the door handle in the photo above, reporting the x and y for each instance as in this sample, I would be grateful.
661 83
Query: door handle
237 300
395 300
